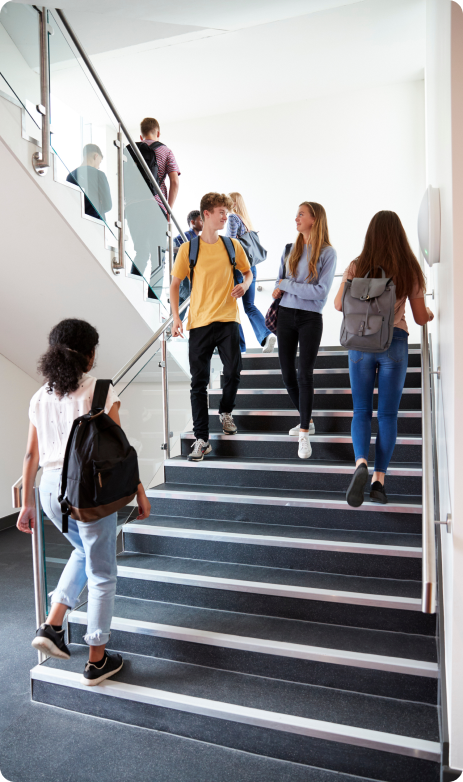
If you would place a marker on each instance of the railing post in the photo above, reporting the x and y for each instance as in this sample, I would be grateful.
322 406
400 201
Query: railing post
118 264
41 162
165 397
39 569
429 570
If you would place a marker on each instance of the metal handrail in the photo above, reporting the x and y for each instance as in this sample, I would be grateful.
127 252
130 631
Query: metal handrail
157 334
41 161
118 117
429 568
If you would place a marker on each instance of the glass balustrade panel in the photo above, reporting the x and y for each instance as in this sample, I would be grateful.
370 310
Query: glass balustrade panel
20 65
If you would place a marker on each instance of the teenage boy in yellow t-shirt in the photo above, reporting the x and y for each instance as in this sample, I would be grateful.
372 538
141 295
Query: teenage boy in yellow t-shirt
213 319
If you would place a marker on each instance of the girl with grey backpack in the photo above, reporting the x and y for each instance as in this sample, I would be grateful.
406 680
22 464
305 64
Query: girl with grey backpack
372 297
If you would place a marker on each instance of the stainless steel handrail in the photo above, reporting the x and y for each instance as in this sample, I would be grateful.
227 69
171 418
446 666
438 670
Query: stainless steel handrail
41 161
157 334
111 105
429 568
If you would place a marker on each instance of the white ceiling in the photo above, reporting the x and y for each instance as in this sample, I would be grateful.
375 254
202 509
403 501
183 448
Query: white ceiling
177 59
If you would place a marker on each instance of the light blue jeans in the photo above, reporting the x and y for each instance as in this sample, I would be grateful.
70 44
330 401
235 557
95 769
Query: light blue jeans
254 314
93 559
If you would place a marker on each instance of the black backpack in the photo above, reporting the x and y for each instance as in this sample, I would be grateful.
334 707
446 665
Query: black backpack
149 154
194 251
100 470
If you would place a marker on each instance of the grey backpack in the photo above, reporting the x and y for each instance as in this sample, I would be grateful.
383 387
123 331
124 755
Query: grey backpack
368 313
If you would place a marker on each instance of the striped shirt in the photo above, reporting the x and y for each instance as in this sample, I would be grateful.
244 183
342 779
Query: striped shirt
165 159
235 226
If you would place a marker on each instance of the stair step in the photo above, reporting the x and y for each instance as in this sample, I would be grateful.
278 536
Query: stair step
403 478
314 509
335 378
324 398
325 359
316 725
326 421
389 604
282 445
222 543
375 674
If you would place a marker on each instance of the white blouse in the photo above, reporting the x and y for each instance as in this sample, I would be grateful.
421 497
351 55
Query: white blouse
53 418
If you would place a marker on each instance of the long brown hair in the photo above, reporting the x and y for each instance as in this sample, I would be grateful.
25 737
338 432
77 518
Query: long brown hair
319 238
239 208
386 245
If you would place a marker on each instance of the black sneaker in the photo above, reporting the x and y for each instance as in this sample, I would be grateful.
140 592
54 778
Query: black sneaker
200 449
355 492
51 642
377 493
95 673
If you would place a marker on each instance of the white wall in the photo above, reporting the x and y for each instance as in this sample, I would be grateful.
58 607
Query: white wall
355 153
444 131
16 390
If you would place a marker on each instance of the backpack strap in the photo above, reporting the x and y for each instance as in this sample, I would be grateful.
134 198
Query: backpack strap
230 248
65 508
193 256
100 395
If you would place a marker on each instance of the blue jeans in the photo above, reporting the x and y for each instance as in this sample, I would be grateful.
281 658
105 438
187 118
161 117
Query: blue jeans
93 559
255 316
392 369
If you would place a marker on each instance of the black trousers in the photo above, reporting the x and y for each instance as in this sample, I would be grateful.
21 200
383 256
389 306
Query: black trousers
298 327
203 341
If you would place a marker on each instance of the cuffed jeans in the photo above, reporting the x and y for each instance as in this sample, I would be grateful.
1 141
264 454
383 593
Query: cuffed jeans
255 316
202 343
299 327
392 369
93 559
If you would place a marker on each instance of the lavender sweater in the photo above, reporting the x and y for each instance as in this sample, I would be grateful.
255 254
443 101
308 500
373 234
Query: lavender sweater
310 296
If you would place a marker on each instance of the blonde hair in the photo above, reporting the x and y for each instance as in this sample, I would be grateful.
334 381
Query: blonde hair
239 208
319 238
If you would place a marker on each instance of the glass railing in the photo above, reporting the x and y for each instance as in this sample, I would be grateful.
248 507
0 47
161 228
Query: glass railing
84 133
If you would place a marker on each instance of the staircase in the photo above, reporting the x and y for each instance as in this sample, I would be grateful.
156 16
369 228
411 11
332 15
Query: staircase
255 610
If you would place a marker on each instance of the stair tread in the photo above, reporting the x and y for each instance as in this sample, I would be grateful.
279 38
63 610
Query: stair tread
281 530
268 575
284 434
402 718
407 501
340 466
364 641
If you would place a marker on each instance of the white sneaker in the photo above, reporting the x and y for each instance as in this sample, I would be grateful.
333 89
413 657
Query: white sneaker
269 343
296 429
305 449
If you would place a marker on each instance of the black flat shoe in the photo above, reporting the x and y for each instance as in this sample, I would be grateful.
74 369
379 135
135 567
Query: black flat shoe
95 673
355 492
51 643
377 493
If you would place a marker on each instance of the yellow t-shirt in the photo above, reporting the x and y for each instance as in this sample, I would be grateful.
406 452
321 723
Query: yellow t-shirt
211 299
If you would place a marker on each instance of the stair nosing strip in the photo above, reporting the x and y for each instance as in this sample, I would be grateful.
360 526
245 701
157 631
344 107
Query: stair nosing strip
326 371
315 413
293 502
266 646
267 588
278 437
316 391
321 352
362 737
274 540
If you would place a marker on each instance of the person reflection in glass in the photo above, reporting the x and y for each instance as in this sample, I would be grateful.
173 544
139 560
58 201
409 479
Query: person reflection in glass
93 182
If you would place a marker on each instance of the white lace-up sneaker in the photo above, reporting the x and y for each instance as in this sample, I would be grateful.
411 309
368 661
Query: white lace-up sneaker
269 343
228 424
199 451
296 429
305 449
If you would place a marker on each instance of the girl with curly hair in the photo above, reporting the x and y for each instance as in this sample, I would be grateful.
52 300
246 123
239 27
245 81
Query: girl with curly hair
66 395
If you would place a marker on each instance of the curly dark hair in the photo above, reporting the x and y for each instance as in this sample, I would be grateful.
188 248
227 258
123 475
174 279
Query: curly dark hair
72 344
192 216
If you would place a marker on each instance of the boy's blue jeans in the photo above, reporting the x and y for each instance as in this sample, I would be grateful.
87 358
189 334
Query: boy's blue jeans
93 559
392 367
